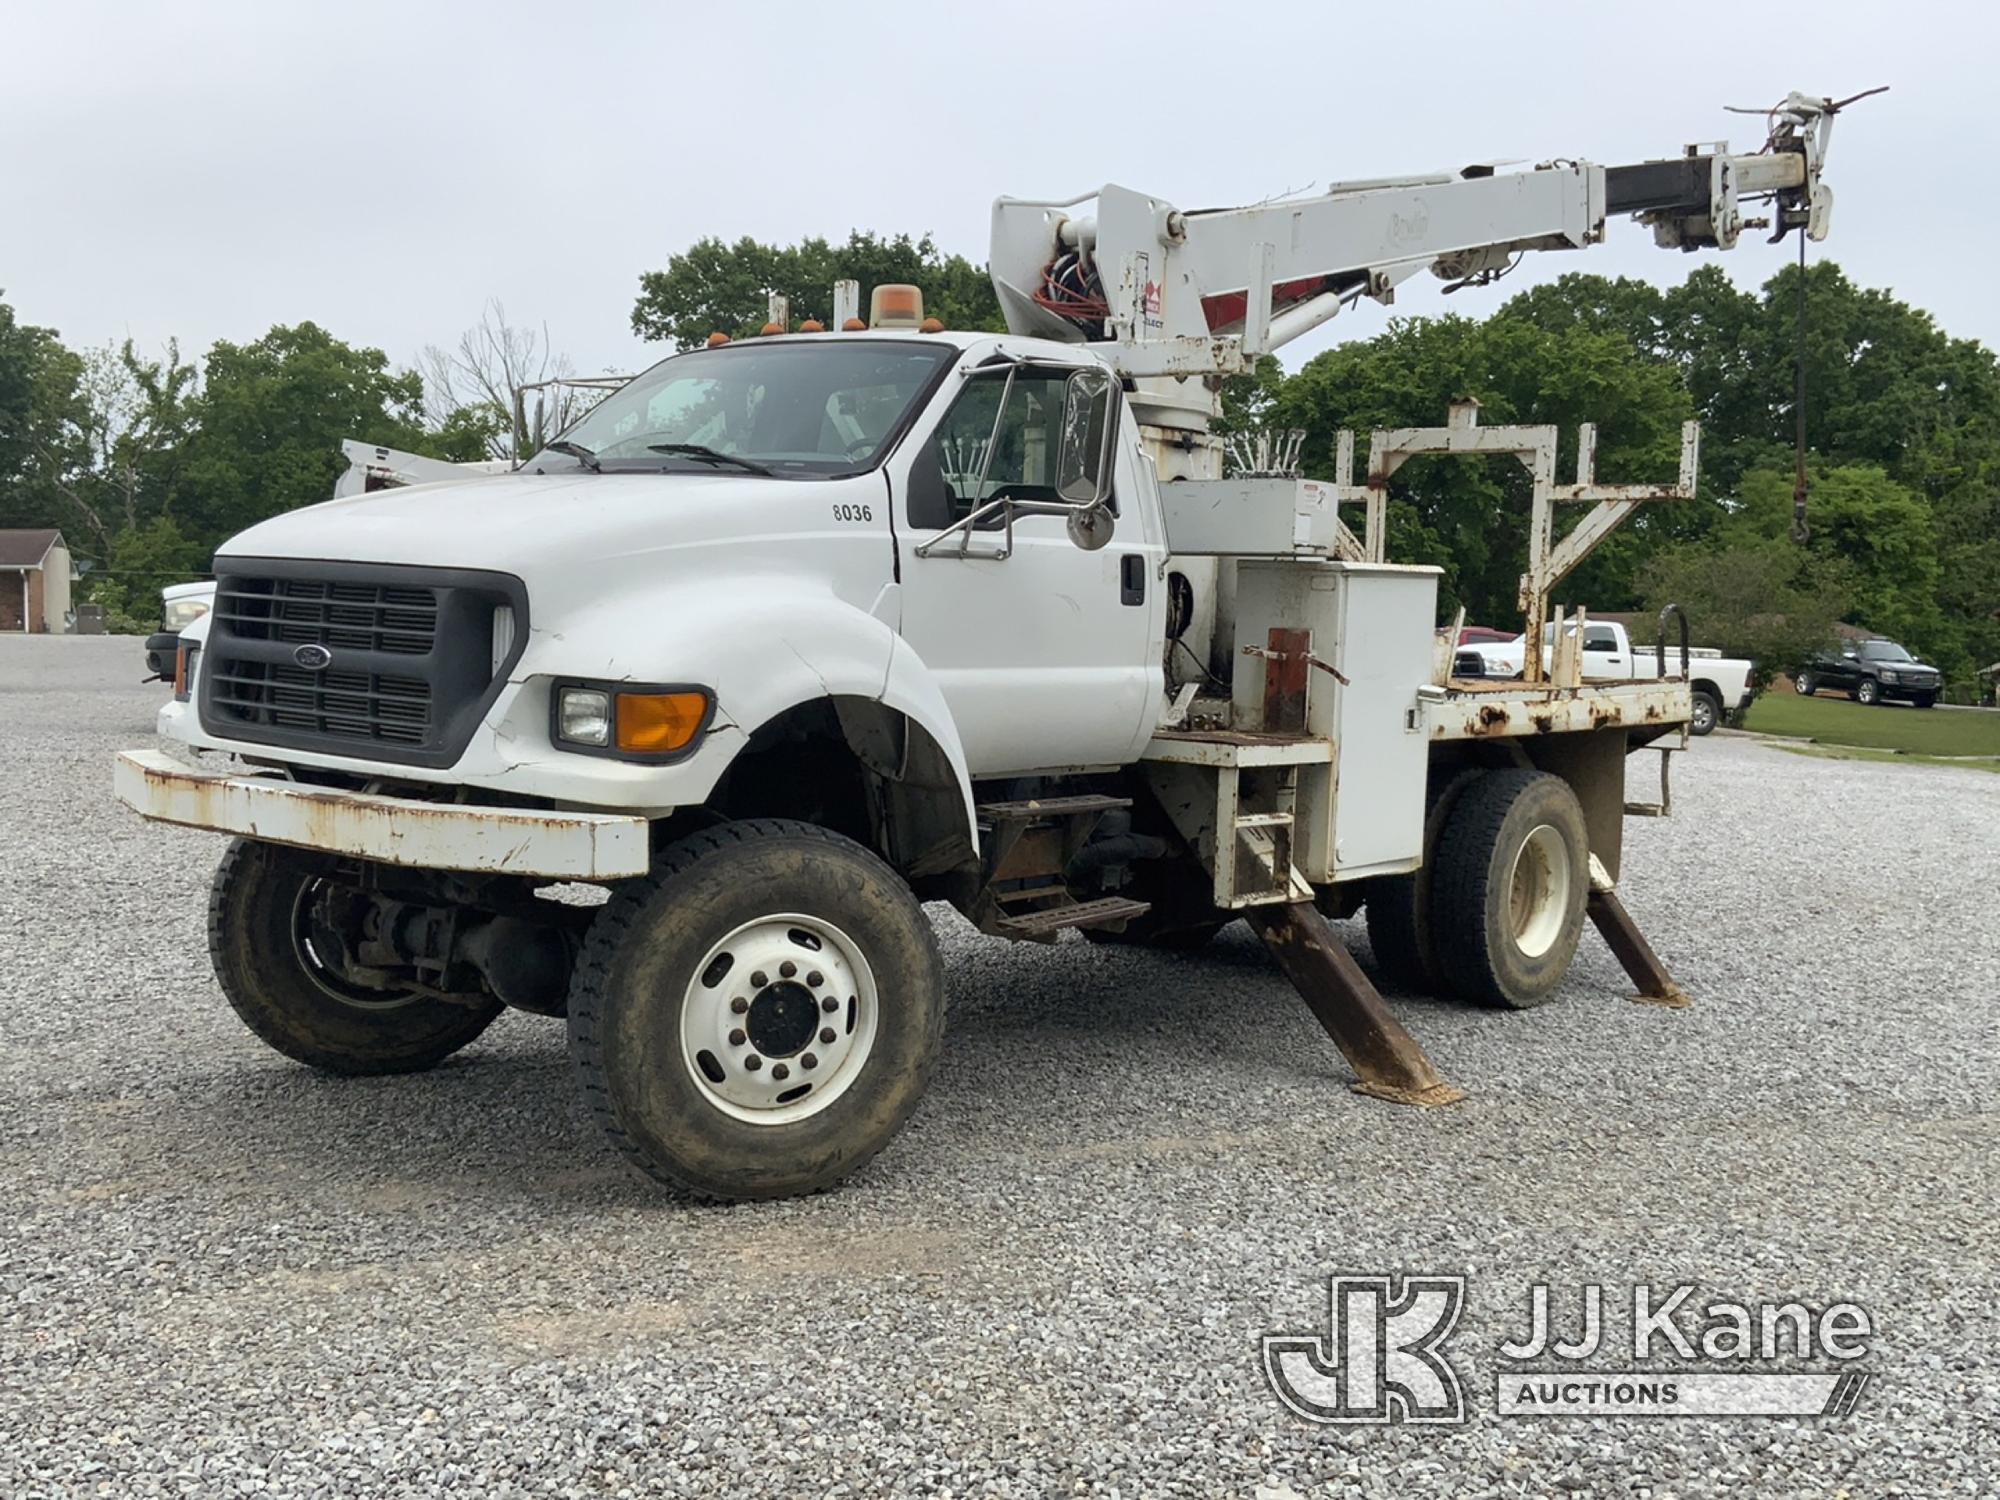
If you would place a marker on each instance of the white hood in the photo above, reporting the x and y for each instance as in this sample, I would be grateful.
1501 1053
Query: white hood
525 520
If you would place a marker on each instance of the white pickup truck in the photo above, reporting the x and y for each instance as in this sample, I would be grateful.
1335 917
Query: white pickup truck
1719 684
792 634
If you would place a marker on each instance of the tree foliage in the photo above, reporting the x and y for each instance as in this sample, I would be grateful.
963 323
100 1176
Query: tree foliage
273 415
1902 430
150 462
713 287
1470 515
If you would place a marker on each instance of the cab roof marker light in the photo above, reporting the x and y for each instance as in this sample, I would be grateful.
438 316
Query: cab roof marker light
896 305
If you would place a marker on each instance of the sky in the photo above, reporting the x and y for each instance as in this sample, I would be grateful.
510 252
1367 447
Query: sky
204 170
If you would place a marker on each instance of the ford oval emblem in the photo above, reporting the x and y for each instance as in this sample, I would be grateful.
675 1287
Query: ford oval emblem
314 658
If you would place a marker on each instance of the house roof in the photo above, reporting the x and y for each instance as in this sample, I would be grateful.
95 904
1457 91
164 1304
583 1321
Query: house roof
27 549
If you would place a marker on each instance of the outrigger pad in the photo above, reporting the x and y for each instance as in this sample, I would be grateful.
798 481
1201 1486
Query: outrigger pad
1389 1063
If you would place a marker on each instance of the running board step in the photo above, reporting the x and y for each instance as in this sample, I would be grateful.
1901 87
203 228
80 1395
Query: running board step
1050 920
1050 807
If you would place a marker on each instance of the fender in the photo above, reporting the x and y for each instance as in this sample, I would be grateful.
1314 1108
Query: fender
760 657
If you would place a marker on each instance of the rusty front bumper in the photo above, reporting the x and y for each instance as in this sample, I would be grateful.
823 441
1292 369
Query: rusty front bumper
392 830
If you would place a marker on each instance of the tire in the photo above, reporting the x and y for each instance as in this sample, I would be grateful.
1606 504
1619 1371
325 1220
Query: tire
1400 930
1705 715
1868 690
261 946
718 1100
1805 684
1513 869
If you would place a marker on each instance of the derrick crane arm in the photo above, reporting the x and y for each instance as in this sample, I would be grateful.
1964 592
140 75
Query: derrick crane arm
1165 292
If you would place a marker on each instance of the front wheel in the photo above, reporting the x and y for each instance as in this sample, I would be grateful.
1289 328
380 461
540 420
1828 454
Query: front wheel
274 964
1704 713
759 1016
1869 691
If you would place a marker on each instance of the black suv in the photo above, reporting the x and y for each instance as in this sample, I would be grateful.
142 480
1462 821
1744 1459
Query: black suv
1871 672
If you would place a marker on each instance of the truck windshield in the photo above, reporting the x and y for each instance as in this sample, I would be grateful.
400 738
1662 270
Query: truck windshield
797 410
1883 651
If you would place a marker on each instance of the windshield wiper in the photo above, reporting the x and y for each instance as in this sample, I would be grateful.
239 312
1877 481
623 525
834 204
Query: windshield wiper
709 455
585 456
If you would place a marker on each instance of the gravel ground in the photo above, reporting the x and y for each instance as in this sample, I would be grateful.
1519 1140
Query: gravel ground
220 1273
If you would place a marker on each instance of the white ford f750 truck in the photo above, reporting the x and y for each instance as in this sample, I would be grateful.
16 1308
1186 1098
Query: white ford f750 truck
790 635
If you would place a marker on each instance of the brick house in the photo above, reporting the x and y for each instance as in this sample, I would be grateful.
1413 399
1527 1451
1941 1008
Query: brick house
34 582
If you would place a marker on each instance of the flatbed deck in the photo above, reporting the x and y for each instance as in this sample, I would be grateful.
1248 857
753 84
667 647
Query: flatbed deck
1503 708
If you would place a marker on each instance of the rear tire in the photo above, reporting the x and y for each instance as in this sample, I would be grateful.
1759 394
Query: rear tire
1704 714
1400 930
1805 684
261 945
704 988
1513 869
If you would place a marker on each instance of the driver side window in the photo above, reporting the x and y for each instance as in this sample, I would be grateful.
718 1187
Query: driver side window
946 482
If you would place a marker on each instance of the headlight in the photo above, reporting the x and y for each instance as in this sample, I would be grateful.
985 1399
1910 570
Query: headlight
183 612
583 716
635 721
1888 676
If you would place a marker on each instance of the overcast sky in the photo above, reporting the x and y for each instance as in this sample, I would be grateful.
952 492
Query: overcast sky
206 169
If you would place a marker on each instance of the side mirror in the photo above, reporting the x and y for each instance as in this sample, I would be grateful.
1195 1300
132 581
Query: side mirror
1087 454
1084 455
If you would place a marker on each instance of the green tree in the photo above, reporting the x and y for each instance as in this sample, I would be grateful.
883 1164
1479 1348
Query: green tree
713 287
271 419
1471 516
141 561
1755 596
41 431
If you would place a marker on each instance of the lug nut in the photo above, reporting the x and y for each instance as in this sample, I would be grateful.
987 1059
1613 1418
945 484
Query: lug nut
739 1005
737 1038
808 1062
815 979
827 1035
753 1062
787 969
781 1072
758 980
829 1005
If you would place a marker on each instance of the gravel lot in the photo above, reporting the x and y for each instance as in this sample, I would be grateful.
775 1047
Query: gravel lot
220 1273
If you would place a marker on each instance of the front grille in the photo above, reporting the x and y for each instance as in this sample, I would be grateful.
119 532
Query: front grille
344 705
1468 664
397 619
379 662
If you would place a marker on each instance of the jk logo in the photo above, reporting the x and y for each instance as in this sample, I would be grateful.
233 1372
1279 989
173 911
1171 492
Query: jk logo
1379 1360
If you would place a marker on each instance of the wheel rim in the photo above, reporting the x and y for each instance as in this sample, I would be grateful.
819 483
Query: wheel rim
1538 890
779 1019
1703 714
323 978
1867 692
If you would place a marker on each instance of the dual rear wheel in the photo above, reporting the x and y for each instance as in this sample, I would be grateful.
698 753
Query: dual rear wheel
1495 913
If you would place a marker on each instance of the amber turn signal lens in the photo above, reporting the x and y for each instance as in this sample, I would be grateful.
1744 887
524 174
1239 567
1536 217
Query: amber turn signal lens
658 723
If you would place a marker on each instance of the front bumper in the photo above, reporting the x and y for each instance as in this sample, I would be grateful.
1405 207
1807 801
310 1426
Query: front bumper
389 830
